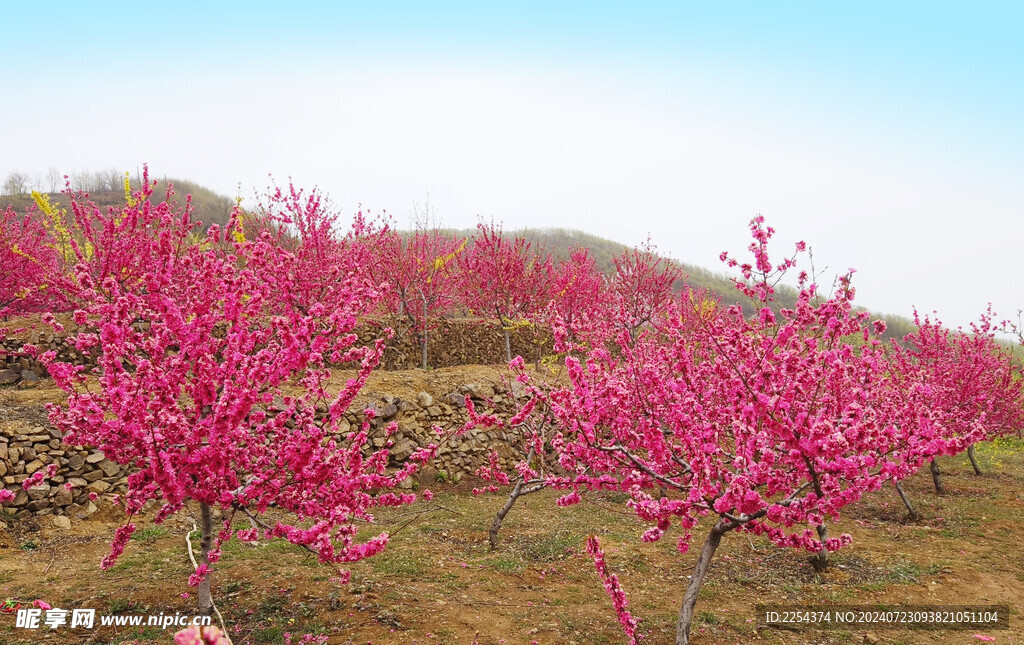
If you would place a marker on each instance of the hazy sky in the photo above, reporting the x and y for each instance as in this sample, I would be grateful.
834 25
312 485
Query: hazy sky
889 136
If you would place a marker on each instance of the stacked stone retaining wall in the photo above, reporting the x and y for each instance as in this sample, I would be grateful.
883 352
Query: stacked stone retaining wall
30 444
451 343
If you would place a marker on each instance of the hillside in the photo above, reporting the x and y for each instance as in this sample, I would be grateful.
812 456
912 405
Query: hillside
210 207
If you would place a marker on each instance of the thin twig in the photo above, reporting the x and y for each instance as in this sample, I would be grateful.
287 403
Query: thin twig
266 527
53 555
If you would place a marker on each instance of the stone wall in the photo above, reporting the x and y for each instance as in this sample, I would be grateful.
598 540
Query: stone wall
463 341
458 454
452 343
27 446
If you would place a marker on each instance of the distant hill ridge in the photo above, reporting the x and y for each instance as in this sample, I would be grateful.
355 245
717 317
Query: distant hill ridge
210 207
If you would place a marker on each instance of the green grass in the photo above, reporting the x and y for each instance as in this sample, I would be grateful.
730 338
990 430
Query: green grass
150 533
904 573
707 617
508 563
397 562
136 635
118 605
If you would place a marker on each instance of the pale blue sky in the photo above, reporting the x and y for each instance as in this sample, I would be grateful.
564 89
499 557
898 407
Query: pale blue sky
887 135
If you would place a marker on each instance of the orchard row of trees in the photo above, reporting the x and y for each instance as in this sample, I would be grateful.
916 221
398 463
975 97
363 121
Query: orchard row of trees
768 424
421 276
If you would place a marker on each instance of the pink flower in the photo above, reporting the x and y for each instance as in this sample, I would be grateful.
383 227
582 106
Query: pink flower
121 537
201 636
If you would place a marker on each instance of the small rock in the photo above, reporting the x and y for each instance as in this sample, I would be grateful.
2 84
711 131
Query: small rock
39 492
427 475
9 377
98 486
62 522
424 400
63 497
109 468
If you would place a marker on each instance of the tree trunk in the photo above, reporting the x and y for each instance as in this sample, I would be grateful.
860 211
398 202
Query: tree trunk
906 502
937 477
492 534
205 596
821 560
517 492
424 334
508 344
700 570
974 460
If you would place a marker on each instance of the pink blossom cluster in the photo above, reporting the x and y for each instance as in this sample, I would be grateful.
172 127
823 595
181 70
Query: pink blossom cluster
614 590
201 636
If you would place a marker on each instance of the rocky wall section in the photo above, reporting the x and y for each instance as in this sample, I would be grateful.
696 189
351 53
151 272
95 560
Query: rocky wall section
458 454
27 446
452 343
25 449
462 341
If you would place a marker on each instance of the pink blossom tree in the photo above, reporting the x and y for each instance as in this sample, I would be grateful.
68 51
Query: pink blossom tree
642 287
306 225
29 259
196 347
416 271
502 280
530 428
578 307
953 389
767 425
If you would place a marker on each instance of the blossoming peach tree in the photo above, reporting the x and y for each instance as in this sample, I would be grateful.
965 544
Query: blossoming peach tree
199 351
503 280
951 389
417 268
29 257
765 425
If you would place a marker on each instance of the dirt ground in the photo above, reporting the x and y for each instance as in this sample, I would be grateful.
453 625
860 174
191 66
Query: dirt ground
439 582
